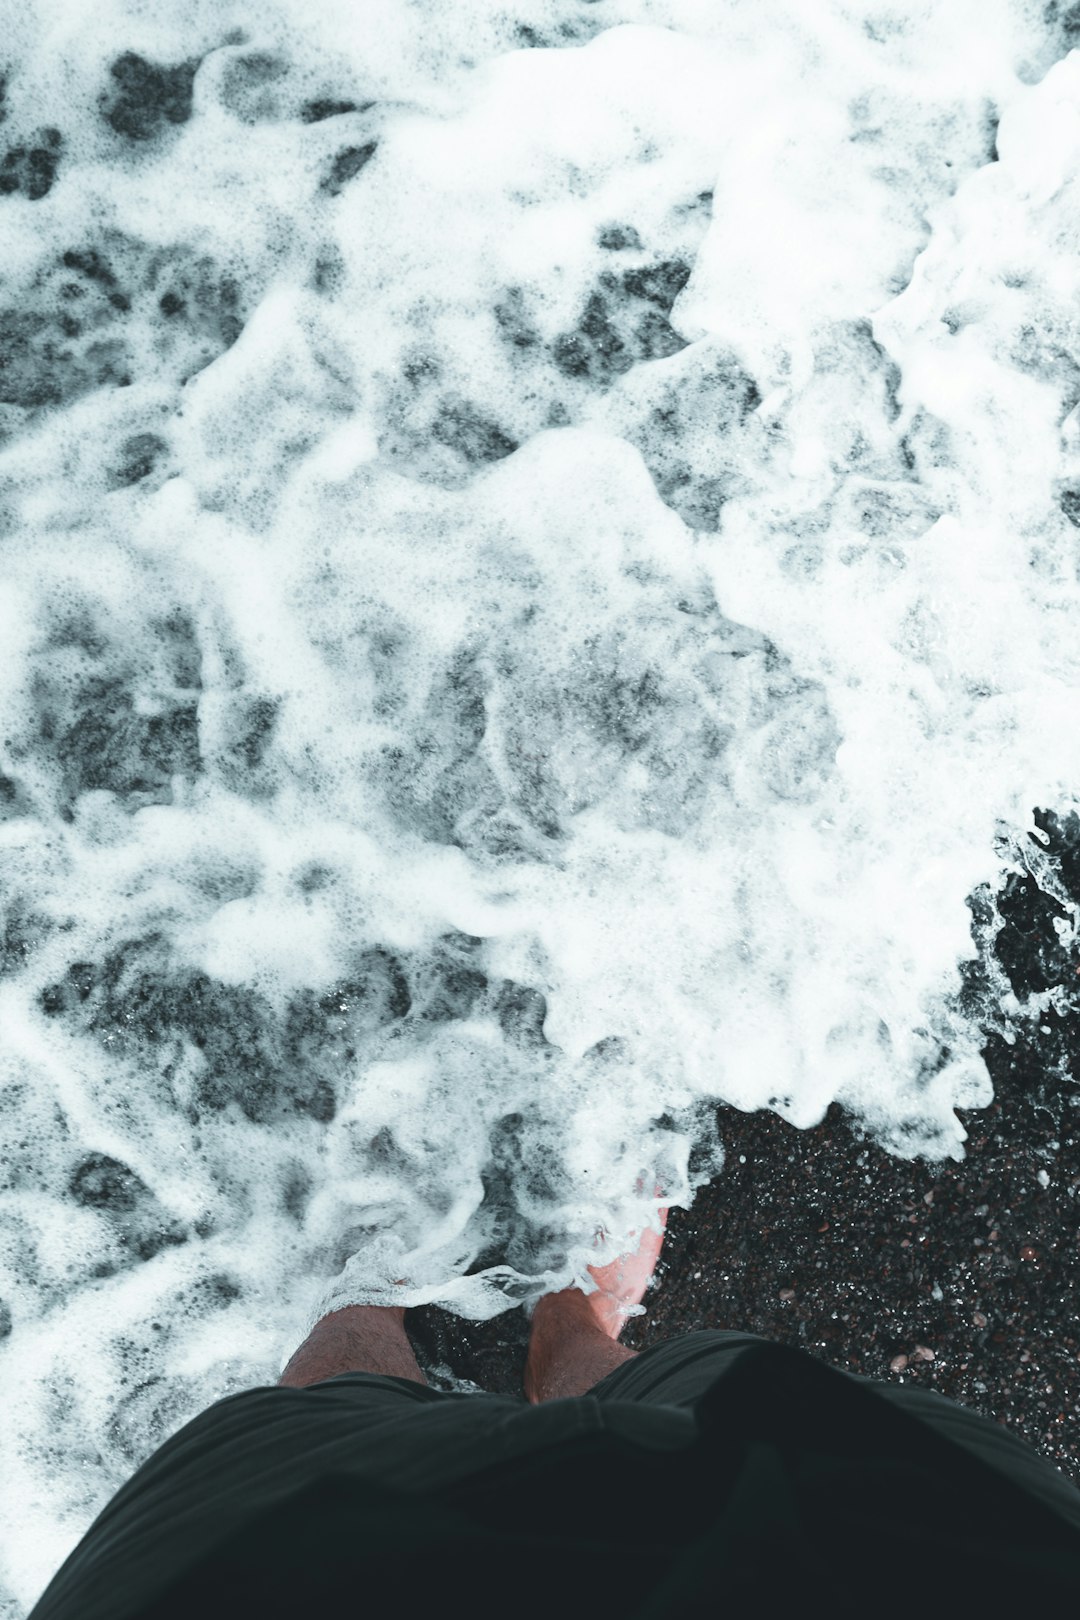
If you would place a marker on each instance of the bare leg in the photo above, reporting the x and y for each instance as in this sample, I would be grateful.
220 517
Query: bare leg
359 1338
568 1351
574 1340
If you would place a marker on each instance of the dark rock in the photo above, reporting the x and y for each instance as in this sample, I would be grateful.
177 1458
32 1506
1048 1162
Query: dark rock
624 322
421 370
384 1153
328 275
1063 16
659 284
668 435
250 731
82 323
31 168
13 800
619 239
515 325
138 457
463 428
269 1067
328 1033
234 1029
1069 501
521 1012
296 1191
73 989
346 166
101 1182
1017 940
655 338
596 351
99 739
36 367
315 112
23 932
178 640
138 1002
216 1289
252 85
445 987
146 97
207 301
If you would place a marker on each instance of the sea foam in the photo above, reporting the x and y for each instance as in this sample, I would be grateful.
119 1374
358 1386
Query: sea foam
538 578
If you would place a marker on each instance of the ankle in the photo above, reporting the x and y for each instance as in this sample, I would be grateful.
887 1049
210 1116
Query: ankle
355 1338
573 1310
570 1349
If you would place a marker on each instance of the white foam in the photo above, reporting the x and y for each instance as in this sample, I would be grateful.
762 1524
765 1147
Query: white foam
528 604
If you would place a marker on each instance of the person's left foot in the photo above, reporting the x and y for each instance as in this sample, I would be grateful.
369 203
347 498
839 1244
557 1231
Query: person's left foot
622 1282
574 1337
619 1285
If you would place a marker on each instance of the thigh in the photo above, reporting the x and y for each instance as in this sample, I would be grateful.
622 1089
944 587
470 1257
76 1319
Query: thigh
677 1371
991 1442
259 1438
246 1455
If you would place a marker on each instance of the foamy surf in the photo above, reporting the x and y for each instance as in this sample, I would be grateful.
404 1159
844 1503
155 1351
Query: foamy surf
538 578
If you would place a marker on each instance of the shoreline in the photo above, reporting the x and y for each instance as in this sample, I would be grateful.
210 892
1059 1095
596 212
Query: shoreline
961 1276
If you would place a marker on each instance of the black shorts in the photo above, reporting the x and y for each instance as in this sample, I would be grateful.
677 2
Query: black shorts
249 1453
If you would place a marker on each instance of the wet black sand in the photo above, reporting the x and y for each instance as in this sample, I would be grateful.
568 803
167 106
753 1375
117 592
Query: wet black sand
962 1276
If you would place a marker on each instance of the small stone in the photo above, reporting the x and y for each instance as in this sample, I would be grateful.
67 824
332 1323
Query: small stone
1026 1356
787 1293
928 1198
1043 1178
898 1363
922 1352
979 1319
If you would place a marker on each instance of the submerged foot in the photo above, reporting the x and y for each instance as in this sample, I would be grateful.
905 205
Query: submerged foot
574 1335
621 1284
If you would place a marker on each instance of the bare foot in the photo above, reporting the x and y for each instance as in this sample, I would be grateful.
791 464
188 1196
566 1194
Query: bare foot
622 1282
574 1338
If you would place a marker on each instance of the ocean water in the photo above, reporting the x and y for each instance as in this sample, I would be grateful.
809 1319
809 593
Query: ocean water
538 578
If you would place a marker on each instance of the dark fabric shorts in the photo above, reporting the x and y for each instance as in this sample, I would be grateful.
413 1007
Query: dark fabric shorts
249 1453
